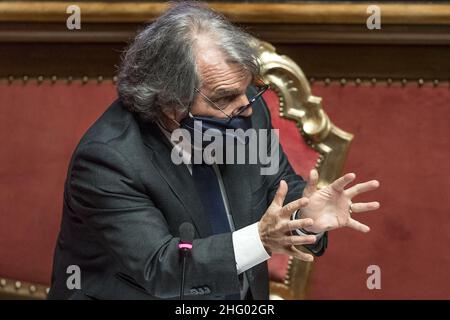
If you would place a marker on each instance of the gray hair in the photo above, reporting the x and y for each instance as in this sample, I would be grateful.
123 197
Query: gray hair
159 71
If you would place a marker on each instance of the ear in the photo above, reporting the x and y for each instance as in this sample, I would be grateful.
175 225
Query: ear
171 114
178 115
172 119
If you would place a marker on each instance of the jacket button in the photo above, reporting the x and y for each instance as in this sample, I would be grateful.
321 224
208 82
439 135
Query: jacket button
194 291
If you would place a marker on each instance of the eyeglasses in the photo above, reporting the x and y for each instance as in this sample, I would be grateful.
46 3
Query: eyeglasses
236 112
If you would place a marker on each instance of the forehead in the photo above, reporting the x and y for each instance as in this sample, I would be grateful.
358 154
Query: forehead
217 72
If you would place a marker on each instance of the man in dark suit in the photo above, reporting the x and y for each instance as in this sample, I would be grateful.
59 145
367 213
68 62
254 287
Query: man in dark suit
125 197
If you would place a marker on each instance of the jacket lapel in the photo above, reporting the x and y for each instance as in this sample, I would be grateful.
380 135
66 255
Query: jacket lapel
177 177
235 178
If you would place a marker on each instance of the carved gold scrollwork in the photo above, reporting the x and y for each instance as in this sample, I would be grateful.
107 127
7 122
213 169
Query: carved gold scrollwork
298 104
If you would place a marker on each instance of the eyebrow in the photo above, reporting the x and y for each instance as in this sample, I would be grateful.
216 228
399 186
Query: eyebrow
221 93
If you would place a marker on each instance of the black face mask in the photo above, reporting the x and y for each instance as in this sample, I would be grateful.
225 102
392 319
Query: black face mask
218 127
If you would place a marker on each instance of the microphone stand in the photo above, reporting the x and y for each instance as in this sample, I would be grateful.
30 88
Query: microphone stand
185 248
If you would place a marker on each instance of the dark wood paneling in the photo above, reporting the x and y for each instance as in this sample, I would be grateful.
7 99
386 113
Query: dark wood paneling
371 61
60 59
316 60
324 49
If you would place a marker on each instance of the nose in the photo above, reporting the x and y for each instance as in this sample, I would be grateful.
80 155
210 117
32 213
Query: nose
248 112
243 102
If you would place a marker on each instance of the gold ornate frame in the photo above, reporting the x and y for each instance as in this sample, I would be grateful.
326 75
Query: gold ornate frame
14 289
299 105
129 11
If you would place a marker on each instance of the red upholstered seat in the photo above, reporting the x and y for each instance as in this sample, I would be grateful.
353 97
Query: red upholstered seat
302 158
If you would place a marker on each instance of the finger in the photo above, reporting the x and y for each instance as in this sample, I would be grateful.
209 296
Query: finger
352 223
293 251
340 183
298 240
298 224
362 187
311 186
281 193
289 209
364 207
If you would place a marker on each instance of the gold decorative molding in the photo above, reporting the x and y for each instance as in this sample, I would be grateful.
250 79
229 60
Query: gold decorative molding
14 289
296 282
298 104
421 82
310 13
54 79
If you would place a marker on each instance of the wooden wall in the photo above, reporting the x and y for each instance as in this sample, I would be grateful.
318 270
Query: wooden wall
326 40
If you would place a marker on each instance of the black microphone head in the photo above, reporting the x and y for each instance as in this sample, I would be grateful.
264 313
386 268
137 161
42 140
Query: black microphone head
187 232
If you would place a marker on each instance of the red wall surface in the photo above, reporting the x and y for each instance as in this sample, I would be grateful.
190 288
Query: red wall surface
401 139
40 127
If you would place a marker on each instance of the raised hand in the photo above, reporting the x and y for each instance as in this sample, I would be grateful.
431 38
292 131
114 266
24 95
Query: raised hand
276 225
331 207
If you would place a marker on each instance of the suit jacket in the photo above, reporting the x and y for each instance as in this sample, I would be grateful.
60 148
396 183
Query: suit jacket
124 201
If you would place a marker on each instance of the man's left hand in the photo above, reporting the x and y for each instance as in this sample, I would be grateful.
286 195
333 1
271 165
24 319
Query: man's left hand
331 207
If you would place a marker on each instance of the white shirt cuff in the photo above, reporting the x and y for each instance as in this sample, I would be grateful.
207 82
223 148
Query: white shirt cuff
299 231
248 248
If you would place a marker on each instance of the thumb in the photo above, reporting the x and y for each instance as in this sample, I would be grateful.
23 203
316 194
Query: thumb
281 193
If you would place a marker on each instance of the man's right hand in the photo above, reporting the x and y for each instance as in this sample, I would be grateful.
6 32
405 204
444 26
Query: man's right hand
275 226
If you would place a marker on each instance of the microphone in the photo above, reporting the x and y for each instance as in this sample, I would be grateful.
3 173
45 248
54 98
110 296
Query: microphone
187 232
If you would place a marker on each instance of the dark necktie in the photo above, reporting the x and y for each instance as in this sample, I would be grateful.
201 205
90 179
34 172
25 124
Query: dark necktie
208 188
